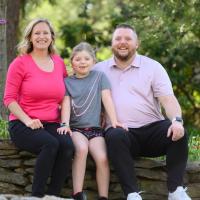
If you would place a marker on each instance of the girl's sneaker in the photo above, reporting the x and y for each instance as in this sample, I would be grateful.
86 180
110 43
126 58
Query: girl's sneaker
80 196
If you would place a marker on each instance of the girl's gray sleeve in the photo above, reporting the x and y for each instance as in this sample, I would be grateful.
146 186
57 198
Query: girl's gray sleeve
105 83
66 88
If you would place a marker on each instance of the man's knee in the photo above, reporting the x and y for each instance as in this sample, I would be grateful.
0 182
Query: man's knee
116 137
184 139
115 133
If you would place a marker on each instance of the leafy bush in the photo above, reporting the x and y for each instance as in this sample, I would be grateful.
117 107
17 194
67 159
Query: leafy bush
4 129
194 144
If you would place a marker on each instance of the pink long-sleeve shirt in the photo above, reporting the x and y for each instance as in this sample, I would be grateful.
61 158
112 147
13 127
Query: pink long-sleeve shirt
39 93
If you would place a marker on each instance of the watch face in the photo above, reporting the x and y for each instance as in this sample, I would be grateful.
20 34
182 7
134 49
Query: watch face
179 119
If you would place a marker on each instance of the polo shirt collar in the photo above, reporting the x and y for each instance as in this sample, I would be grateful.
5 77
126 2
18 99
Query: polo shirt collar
135 63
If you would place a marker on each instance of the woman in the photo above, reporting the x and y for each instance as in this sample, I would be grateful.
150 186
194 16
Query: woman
33 92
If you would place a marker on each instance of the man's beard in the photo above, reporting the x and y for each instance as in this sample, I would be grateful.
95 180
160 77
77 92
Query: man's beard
125 57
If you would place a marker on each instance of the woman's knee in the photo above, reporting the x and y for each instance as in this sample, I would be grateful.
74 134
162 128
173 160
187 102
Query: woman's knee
53 144
66 145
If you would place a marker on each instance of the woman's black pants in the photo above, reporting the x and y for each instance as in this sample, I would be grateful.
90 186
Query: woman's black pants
54 155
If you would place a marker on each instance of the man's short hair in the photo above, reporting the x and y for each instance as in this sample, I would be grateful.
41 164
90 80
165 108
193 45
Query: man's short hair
125 26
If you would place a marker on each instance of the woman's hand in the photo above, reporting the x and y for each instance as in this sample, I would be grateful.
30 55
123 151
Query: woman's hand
34 123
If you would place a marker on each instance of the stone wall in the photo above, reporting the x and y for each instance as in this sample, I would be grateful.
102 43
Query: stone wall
16 175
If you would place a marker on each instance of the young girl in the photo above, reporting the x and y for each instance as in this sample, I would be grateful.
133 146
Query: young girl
81 109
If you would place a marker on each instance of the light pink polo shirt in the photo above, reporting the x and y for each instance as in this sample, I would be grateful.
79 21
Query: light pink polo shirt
136 88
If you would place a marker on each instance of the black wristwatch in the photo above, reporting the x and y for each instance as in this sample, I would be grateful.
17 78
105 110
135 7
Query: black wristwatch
177 119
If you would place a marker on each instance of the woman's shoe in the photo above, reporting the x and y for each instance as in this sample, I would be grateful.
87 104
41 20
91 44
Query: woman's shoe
80 196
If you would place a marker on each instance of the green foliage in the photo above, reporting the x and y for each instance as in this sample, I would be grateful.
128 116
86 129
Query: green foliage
3 129
168 31
194 144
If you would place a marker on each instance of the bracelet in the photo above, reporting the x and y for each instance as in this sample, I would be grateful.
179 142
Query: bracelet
64 124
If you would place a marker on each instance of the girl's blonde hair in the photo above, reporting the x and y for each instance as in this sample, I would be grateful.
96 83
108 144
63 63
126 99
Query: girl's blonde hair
26 46
83 46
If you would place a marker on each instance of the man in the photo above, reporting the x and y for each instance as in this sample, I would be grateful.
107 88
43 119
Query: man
139 86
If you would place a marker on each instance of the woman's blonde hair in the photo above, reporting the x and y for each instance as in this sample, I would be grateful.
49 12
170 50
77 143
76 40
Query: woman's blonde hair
83 46
26 46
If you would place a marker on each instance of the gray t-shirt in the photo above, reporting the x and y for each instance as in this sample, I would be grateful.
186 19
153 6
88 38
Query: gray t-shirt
85 94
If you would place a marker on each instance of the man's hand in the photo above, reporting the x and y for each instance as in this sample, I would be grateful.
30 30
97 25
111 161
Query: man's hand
176 130
118 124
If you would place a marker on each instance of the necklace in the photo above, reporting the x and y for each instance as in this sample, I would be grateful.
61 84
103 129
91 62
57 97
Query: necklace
76 108
44 63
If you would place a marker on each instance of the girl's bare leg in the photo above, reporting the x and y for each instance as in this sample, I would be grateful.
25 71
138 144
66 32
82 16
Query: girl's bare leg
79 162
97 149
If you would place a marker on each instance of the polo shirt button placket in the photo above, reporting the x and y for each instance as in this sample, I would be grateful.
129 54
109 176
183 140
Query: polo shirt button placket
121 79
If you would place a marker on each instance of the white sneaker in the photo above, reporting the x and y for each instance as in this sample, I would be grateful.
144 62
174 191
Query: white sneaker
134 196
179 194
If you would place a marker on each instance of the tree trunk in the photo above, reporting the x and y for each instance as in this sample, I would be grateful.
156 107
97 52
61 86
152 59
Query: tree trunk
13 14
3 54
9 20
